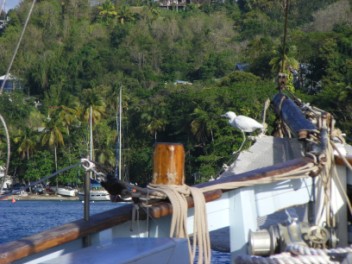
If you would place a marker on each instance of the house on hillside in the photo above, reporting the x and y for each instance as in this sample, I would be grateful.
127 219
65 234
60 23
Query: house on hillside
12 83
173 4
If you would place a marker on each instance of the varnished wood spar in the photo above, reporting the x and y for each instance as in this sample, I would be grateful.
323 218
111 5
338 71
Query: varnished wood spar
162 209
27 246
340 161
168 167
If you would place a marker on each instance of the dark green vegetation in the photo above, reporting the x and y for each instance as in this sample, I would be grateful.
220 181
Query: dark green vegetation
74 57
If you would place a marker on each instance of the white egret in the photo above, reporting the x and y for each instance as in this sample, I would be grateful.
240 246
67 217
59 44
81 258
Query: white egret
244 124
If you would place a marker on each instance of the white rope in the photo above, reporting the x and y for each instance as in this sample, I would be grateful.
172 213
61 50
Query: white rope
17 47
298 173
200 231
177 194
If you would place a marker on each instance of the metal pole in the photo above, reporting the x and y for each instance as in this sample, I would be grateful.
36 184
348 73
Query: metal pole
120 134
88 175
87 240
285 35
87 195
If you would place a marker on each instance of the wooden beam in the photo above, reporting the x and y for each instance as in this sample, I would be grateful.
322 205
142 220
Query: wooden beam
340 161
30 245
161 209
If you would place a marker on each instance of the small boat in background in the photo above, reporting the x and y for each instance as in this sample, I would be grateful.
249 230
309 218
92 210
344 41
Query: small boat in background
97 192
67 191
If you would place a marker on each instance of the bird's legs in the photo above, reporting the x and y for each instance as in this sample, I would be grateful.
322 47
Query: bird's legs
244 141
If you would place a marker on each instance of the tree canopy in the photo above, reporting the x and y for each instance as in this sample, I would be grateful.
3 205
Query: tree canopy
178 73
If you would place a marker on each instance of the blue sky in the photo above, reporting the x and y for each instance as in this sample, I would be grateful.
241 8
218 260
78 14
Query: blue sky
10 4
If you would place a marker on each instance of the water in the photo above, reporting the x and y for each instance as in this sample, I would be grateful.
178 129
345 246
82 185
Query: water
25 218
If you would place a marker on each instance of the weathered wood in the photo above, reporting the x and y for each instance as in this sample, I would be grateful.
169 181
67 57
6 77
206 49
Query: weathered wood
290 113
168 167
340 161
26 246
161 209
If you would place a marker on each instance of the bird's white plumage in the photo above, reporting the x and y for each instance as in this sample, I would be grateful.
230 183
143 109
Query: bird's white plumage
243 123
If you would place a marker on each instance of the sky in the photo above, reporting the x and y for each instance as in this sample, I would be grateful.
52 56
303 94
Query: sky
10 4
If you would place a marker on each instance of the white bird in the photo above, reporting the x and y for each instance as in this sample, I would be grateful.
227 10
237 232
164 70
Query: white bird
244 124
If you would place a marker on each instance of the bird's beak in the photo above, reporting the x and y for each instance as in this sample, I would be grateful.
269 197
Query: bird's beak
223 115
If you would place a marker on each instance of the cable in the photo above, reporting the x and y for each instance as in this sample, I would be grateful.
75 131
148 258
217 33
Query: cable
17 47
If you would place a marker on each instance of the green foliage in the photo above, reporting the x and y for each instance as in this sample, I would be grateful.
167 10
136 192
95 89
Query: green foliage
74 57
239 77
39 166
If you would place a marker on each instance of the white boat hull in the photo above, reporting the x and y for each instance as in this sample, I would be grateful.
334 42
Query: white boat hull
67 192
100 195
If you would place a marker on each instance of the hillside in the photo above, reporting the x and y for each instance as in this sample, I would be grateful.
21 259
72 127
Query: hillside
337 13
75 57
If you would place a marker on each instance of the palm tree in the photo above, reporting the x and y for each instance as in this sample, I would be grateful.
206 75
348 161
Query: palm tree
107 11
282 63
153 118
92 98
53 134
93 109
107 138
124 14
28 140
201 125
68 116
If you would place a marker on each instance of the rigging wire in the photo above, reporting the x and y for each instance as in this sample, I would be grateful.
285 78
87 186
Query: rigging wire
8 151
286 6
17 46
3 85
2 6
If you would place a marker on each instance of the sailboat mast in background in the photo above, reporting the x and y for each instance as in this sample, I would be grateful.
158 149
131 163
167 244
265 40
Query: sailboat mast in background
118 143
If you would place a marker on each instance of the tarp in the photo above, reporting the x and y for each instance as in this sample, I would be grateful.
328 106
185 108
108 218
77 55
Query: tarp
9 77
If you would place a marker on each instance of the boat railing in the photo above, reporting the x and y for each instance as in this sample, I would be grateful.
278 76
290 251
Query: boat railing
80 229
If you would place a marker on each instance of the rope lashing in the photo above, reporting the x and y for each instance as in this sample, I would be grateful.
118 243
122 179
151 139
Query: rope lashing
298 173
177 194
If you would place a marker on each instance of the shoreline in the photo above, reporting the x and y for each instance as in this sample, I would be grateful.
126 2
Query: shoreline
36 197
